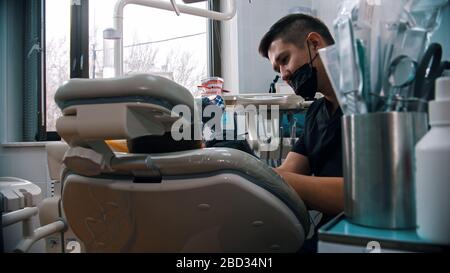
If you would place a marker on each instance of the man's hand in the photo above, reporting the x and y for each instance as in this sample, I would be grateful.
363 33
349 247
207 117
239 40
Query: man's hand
325 194
295 163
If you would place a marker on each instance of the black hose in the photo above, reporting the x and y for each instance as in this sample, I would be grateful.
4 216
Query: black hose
272 89
431 61
445 65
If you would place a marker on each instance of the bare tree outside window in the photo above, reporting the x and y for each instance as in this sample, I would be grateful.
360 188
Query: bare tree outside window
141 59
186 69
57 73
179 66
162 44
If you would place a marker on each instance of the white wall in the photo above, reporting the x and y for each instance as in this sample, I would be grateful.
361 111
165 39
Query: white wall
327 11
244 70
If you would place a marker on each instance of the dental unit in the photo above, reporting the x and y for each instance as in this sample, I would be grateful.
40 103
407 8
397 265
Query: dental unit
203 200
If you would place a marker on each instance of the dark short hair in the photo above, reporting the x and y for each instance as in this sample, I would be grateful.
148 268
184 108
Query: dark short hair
294 28
161 144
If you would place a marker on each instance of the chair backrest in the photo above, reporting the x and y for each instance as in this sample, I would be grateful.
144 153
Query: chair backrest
209 200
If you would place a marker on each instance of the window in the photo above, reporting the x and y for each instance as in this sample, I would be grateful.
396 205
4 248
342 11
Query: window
155 41
57 57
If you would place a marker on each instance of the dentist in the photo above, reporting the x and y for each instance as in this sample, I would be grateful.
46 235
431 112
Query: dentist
314 166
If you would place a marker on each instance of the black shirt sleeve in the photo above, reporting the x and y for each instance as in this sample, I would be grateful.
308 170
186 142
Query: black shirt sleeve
300 146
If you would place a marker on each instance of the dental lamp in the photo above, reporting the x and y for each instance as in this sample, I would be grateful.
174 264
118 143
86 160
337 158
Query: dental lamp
116 33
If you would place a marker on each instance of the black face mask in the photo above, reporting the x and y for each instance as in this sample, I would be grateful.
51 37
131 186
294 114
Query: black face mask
304 80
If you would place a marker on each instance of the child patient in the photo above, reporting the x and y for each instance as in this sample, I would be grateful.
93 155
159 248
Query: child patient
166 144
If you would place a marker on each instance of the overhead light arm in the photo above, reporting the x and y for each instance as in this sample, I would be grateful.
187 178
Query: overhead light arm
171 6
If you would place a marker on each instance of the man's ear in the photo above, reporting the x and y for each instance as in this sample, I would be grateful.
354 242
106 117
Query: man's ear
316 40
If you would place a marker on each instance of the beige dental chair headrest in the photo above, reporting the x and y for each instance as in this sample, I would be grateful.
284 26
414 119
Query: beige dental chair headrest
127 107
132 87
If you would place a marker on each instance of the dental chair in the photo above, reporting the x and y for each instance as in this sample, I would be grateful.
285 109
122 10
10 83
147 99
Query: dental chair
198 200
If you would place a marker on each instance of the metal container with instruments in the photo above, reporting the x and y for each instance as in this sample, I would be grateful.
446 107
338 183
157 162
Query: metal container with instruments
378 150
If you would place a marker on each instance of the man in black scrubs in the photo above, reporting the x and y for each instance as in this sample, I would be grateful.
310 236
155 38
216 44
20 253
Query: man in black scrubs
314 167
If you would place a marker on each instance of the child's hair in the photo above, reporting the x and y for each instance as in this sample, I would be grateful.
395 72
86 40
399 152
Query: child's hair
161 144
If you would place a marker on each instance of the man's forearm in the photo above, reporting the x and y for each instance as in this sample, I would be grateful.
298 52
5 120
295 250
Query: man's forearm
325 194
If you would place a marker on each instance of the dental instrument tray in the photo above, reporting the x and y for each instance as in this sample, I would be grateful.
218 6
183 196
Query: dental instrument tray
284 101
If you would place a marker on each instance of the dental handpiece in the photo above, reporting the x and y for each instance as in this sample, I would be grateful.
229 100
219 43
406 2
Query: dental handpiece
293 131
280 154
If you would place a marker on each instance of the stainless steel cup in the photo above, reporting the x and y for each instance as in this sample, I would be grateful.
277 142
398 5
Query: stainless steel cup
378 150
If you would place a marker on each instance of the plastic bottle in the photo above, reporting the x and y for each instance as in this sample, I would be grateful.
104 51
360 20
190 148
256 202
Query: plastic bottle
433 170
